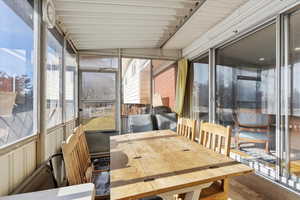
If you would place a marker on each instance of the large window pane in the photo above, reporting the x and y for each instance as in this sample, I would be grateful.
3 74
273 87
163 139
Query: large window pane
98 86
70 89
136 85
136 81
200 93
164 91
95 62
293 83
16 71
54 79
245 93
98 99
98 116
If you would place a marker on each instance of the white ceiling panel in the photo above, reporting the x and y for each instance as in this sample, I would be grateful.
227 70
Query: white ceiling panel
207 16
101 24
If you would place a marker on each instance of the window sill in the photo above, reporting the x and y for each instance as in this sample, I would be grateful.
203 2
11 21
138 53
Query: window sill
17 144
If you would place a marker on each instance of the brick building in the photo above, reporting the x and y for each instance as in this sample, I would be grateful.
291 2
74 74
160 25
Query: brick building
165 81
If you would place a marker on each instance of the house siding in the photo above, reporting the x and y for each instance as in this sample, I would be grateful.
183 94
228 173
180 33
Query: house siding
136 84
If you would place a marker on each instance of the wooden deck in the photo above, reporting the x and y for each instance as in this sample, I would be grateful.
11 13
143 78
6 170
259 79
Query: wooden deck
237 191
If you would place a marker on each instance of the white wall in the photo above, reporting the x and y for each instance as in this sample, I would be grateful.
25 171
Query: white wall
16 165
251 14
132 85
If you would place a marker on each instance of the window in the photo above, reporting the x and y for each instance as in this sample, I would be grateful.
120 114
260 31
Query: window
200 93
98 86
133 66
17 71
95 62
245 92
98 100
70 81
291 99
136 89
164 83
98 97
54 78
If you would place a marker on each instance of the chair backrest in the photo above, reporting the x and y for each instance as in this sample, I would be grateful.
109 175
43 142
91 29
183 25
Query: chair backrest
83 150
252 119
214 136
70 149
186 128
140 123
166 121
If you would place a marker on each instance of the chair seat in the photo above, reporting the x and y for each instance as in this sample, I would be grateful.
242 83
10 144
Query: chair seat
253 135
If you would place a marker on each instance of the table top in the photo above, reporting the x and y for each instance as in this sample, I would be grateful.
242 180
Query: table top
151 163
74 192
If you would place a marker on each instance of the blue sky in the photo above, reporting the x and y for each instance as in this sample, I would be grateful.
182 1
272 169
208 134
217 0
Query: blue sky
201 73
16 38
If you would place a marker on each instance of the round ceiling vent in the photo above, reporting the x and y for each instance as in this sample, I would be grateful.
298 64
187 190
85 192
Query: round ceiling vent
49 16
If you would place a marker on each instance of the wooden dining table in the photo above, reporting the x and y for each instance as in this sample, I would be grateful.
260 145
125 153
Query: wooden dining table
162 163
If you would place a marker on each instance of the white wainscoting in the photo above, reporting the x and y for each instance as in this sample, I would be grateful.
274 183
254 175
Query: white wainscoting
69 128
16 165
54 139
19 163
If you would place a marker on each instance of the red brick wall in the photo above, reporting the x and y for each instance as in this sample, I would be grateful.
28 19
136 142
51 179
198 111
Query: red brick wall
165 84
6 84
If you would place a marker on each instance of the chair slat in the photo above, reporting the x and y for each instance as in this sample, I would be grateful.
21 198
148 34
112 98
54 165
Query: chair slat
212 136
220 139
214 142
186 128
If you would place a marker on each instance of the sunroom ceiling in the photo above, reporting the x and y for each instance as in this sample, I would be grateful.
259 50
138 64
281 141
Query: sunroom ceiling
207 16
100 24
107 24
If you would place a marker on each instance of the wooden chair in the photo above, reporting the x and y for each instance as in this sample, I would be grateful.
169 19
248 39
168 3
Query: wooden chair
86 165
186 128
79 167
85 154
70 149
216 138
253 128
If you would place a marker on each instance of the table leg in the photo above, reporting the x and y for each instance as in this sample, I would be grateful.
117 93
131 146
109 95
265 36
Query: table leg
167 196
192 193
